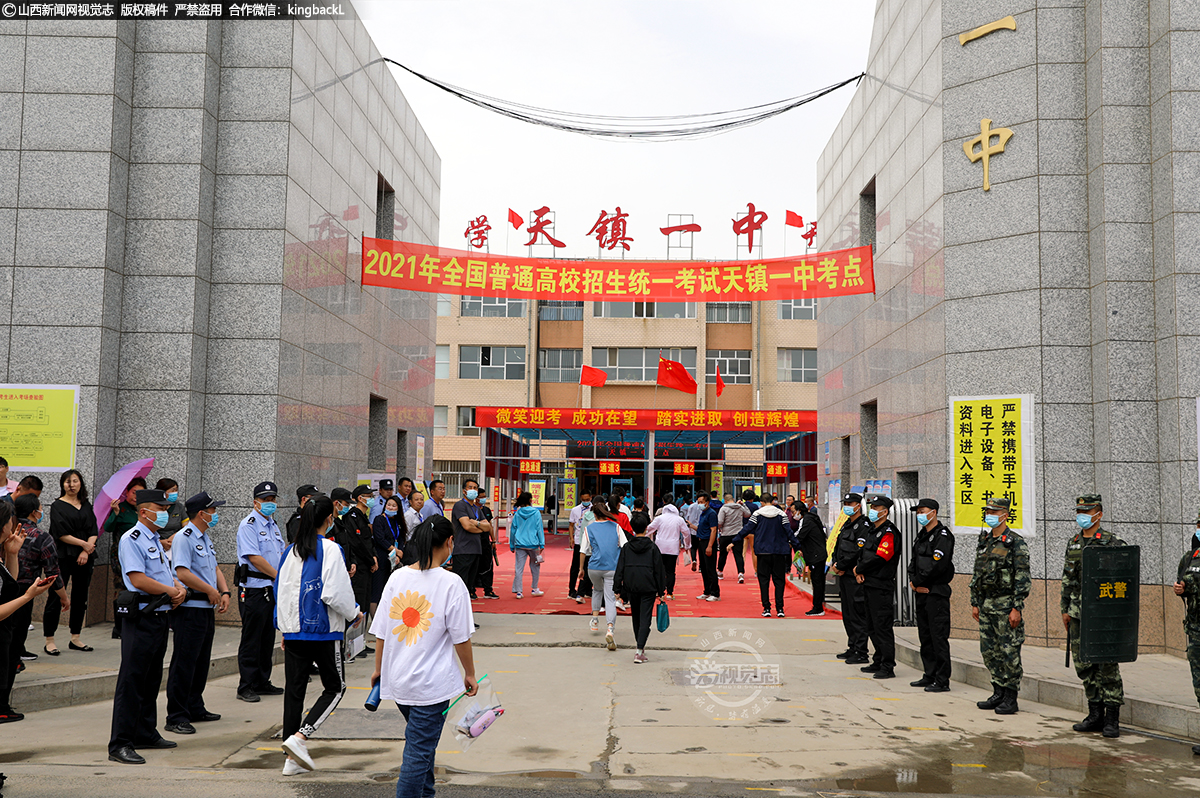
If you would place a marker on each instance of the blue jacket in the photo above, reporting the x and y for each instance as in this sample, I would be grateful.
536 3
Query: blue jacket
772 532
602 535
526 531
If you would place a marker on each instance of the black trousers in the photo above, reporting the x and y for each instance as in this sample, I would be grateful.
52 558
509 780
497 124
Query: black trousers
772 568
256 649
9 658
817 572
669 563
933 630
881 619
695 551
708 569
584 588
191 657
487 571
641 607
78 579
360 583
854 614
738 557
298 658
466 566
18 626
135 702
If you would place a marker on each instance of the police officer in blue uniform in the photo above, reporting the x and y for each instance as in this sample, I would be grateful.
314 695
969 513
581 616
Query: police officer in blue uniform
260 548
193 623
150 591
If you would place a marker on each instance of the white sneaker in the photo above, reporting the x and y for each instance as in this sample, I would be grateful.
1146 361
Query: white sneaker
292 768
538 593
594 624
299 751
608 639
702 596
713 598
720 575
519 595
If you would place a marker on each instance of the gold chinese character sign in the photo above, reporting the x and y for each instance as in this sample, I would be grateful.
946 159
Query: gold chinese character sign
986 148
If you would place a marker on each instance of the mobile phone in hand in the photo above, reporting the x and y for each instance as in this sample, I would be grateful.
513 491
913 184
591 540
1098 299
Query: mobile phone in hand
45 580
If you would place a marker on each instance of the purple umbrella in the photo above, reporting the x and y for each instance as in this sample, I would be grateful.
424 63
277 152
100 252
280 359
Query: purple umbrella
114 489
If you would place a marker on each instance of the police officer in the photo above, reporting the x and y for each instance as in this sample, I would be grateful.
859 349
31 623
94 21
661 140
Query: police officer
846 554
1187 587
341 531
876 572
195 563
303 494
1101 681
999 586
362 541
152 592
930 572
260 547
385 492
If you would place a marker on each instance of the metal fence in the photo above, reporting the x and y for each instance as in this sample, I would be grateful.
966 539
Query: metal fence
906 521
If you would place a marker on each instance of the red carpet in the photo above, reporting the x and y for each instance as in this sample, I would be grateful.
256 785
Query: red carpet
737 601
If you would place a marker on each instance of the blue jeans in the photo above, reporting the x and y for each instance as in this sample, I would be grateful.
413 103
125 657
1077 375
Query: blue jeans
421 735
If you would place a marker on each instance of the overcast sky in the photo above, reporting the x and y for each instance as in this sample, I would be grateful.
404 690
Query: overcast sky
643 58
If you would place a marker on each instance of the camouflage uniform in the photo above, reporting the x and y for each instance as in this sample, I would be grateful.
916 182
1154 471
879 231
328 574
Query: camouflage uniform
1101 681
1189 575
999 585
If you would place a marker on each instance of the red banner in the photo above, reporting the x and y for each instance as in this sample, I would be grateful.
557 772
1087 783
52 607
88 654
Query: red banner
699 420
422 267
611 467
531 466
776 470
685 469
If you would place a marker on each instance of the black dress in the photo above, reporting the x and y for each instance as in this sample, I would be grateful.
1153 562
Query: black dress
9 660
65 519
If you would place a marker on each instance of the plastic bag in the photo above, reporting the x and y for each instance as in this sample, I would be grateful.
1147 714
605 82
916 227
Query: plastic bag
663 616
473 715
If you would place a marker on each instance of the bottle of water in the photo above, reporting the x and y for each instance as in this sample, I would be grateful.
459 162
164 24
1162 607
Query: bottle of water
372 702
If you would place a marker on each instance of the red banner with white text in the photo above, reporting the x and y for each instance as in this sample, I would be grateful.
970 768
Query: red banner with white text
422 267
609 419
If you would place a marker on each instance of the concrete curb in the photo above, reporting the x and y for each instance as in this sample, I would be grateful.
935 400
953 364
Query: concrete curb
42 694
1155 716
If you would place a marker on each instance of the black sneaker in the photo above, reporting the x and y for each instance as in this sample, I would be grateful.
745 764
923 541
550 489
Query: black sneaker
779 614
28 656
938 687
766 614
857 659
882 673
490 596
815 612
845 654
249 696
872 668
269 689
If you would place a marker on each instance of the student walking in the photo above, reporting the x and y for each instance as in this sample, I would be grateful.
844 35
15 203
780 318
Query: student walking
602 543
640 578
670 533
526 541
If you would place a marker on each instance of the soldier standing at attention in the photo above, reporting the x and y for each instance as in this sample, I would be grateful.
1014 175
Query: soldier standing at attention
1101 680
930 574
1187 587
999 587
876 572
851 539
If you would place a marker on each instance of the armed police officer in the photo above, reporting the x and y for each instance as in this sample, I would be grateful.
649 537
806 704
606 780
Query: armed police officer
1187 587
260 547
930 572
876 572
846 554
999 586
150 591
1101 680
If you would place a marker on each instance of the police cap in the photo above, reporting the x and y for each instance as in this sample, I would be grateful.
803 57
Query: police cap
852 498
264 489
152 497
928 504
306 490
201 501
340 495
361 489
1089 501
386 484
878 500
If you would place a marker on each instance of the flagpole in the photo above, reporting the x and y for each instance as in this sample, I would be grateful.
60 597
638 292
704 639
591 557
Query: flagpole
656 379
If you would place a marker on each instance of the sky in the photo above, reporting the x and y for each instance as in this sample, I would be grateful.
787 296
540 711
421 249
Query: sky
644 58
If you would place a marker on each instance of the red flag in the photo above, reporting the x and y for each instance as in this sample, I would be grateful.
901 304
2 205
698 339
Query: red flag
515 219
720 382
591 376
794 219
672 374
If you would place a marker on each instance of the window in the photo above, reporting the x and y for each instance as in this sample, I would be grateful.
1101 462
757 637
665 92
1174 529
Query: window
866 215
443 304
492 307
491 362
798 308
559 365
797 365
442 363
734 363
441 419
645 310
558 310
727 313
639 365
466 422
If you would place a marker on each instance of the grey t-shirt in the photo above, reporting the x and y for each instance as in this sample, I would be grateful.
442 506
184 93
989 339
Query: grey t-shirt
466 542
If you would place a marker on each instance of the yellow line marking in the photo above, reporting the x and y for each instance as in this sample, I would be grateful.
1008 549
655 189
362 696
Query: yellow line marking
610 664
448 752
922 728
357 688
983 30
889 699
524 633
967 766
269 749
689 635
520 655
606 684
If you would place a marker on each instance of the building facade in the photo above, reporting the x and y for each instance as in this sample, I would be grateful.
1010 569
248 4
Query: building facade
181 213
1071 276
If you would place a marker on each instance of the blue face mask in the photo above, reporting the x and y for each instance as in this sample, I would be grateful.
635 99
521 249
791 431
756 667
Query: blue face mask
849 509
1083 520
173 496
268 508
585 504
216 517
343 511
873 514
992 521
371 502
447 562
161 518
390 513
922 518
472 495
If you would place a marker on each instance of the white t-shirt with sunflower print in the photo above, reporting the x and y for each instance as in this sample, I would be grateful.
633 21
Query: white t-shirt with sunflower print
422 616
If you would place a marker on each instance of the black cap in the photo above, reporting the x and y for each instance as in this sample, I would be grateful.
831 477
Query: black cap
340 495
851 498
878 500
386 484
265 489
201 501
306 490
927 503
361 489
152 497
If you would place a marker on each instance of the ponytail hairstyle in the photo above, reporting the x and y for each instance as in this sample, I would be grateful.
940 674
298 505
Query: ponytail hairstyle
525 500
429 535
614 505
316 512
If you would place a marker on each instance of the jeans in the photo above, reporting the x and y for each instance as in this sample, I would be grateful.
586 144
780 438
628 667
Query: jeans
604 578
519 568
421 735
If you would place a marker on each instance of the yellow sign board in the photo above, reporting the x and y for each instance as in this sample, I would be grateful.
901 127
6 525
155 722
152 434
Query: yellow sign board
38 426
537 487
992 452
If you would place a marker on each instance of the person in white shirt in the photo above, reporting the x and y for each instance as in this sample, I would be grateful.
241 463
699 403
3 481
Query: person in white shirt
670 533
424 621
579 521
412 509
691 513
